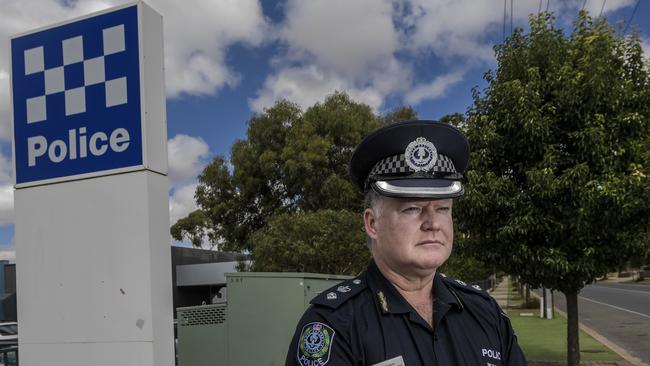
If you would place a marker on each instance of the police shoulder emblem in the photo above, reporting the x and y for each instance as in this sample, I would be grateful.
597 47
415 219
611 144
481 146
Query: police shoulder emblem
315 344
421 154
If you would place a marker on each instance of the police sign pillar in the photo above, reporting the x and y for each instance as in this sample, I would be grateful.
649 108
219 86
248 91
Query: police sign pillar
91 199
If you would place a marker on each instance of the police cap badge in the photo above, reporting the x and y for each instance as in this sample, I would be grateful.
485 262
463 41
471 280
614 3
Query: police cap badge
418 159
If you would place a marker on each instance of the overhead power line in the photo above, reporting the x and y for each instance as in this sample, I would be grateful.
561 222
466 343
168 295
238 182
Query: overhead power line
629 22
511 17
505 2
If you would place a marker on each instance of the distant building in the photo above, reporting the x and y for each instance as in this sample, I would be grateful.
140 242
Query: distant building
199 275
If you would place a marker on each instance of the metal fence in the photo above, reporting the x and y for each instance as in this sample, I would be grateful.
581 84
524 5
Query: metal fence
9 356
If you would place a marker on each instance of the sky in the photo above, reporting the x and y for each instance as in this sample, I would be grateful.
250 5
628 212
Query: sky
227 60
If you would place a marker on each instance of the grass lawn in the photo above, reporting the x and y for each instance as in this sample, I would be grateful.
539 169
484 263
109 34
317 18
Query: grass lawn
545 340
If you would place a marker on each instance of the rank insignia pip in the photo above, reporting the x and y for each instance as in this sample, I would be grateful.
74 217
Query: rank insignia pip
343 289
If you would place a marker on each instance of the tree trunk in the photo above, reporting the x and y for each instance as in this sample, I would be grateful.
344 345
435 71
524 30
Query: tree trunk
573 345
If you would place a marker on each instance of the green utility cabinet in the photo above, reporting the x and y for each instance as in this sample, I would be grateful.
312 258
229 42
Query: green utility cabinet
255 325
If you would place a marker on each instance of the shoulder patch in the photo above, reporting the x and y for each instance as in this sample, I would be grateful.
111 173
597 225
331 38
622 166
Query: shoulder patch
315 344
336 295
458 284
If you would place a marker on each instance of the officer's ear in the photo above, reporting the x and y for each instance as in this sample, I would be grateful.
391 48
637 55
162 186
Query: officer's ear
370 222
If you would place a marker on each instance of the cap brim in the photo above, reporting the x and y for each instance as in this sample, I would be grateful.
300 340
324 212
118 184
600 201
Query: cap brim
419 188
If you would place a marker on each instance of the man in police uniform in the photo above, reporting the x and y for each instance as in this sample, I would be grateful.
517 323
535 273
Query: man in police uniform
400 311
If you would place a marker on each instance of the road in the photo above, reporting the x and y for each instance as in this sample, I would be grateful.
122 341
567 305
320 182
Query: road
619 312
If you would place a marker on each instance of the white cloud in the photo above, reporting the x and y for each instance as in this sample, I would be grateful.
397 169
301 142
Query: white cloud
436 27
197 35
6 169
5 119
8 253
308 85
6 204
645 44
333 46
181 203
345 36
187 156
6 191
437 88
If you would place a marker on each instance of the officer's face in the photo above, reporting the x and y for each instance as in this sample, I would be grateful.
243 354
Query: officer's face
411 236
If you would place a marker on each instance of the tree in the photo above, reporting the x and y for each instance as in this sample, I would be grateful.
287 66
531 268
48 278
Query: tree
557 187
193 227
322 241
291 171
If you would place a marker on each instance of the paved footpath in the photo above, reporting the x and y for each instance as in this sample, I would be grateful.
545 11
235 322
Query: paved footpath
500 293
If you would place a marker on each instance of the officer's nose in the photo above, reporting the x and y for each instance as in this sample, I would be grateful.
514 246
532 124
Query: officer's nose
429 220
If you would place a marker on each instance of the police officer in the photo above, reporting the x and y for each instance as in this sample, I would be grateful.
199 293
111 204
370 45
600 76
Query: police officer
401 311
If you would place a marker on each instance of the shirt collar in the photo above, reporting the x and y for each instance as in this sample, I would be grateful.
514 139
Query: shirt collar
395 303
444 294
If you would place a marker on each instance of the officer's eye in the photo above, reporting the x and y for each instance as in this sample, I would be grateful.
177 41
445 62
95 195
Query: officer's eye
444 209
412 210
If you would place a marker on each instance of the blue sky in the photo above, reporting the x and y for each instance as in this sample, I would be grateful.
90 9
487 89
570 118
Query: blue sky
226 60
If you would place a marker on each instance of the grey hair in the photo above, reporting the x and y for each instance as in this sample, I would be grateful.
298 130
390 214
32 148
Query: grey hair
375 202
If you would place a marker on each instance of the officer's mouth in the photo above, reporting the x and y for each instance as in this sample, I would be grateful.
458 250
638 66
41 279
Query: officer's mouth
430 243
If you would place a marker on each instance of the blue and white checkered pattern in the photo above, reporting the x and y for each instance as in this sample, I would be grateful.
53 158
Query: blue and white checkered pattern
74 61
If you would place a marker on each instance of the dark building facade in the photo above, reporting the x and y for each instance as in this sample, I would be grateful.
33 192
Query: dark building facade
8 292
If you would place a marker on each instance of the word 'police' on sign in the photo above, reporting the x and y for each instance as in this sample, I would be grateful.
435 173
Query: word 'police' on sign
58 150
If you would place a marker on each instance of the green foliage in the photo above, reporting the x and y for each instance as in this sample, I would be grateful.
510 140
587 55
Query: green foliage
291 168
192 228
402 113
323 241
462 264
557 190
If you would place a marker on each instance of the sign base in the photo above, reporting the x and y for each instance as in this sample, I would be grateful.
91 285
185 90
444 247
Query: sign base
94 268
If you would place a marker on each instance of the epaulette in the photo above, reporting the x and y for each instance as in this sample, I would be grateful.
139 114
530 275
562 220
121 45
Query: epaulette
338 294
458 284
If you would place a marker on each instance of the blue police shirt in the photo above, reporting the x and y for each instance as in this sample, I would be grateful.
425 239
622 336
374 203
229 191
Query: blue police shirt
365 321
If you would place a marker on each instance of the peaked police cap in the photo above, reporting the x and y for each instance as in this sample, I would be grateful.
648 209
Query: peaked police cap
418 159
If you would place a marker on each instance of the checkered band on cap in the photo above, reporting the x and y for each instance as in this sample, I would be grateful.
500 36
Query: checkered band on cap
396 164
